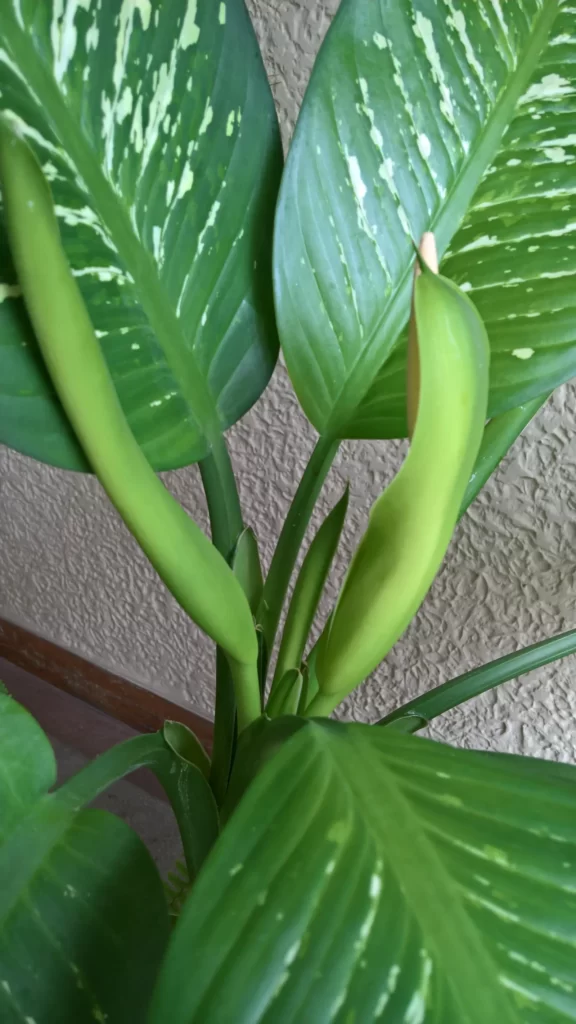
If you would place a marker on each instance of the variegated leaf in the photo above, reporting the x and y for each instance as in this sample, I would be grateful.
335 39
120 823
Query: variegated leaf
369 877
155 127
407 135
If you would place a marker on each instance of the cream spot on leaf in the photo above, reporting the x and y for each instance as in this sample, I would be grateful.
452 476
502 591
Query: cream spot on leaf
190 31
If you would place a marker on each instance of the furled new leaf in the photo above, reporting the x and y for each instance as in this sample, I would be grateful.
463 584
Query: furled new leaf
155 126
412 522
370 876
192 568
422 114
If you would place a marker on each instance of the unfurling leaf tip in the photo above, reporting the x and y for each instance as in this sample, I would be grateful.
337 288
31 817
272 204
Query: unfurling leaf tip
426 254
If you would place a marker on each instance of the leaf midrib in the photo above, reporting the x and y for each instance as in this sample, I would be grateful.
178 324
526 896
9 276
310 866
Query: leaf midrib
114 216
442 223
431 895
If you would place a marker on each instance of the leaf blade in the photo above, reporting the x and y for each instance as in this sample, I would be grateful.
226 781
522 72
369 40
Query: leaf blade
495 833
308 589
471 684
384 83
513 251
123 150
77 890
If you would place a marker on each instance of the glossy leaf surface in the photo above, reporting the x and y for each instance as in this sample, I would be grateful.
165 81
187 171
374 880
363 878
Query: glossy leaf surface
422 115
155 126
83 919
370 876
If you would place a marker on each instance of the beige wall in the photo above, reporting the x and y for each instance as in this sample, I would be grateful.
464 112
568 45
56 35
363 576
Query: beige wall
70 570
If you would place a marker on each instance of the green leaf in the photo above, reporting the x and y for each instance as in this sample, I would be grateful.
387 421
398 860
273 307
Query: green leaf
222 498
177 887
407 723
499 436
420 115
373 876
186 746
382 412
185 780
308 589
471 684
256 746
411 524
389 395
156 128
29 765
285 697
247 568
291 537
248 571
178 549
225 729
83 919
309 678
175 765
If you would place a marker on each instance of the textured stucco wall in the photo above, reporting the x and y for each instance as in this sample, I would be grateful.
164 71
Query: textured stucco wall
70 570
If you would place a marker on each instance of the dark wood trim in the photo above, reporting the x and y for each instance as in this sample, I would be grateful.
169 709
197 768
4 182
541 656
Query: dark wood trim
123 700
69 721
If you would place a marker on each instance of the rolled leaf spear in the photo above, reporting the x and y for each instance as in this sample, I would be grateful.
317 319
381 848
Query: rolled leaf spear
412 522
190 566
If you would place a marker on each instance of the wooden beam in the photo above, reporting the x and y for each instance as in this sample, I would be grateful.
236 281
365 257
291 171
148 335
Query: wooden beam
123 700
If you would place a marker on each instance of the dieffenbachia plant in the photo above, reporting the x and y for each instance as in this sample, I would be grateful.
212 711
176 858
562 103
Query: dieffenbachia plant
353 873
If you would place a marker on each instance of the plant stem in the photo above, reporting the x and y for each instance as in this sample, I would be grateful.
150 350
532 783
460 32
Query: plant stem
471 684
291 537
222 496
224 729
322 705
247 690
237 686
499 436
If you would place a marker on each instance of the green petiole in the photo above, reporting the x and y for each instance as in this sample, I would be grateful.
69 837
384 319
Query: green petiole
291 537
308 590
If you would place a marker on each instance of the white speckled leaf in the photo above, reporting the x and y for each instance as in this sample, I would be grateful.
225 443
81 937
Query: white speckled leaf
368 876
155 126
402 131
